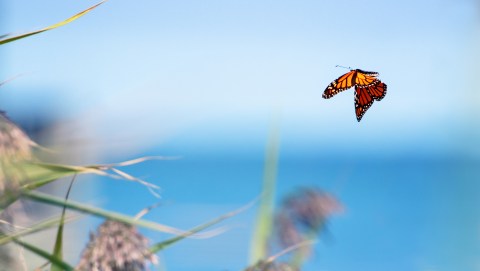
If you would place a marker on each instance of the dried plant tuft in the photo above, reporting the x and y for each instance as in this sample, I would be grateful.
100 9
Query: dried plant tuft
15 147
303 215
116 247
271 266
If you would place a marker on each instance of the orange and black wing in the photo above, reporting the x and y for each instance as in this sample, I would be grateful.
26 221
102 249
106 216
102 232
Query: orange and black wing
364 78
342 83
377 91
367 89
363 101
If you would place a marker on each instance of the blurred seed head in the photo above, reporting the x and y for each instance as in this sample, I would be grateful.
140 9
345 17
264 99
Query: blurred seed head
15 147
303 214
271 266
11 258
116 247
287 230
14 143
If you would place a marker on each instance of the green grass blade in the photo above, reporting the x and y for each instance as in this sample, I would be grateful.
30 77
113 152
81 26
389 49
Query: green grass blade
38 175
8 38
58 263
42 225
58 248
42 197
263 227
7 198
162 245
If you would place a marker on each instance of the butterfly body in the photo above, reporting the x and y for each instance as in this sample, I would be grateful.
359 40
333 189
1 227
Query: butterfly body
367 89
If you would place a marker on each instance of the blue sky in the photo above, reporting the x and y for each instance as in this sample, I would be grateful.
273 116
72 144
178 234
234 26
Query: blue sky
202 79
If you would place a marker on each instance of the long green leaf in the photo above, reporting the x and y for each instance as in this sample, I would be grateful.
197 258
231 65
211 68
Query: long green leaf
162 245
37 174
52 200
57 262
58 248
42 225
62 23
263 228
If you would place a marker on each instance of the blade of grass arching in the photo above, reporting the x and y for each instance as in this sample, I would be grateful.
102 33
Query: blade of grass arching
58 263
299 258
52 200
263 227
128 177
136 161
38 175
146 210
295 247
58 248
42 225
62 23
162 245
9 79
265 263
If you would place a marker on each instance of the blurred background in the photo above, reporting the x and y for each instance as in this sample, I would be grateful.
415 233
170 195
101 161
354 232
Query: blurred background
205 80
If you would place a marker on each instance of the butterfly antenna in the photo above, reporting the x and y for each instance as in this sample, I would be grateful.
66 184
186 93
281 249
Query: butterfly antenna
343 67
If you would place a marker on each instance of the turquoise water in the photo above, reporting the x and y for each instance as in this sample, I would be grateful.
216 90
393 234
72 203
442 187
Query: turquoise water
410 212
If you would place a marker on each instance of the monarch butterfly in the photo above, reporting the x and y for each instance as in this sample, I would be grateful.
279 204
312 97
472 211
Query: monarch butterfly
367 89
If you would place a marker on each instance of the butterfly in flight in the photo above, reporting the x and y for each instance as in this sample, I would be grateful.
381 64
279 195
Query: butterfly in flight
367 89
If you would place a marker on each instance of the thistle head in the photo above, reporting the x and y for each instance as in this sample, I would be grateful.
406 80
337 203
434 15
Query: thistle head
116 247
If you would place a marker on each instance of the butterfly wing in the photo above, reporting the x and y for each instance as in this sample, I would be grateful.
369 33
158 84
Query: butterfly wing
364 78
367 89
367 72
342 83
363 101
377 91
